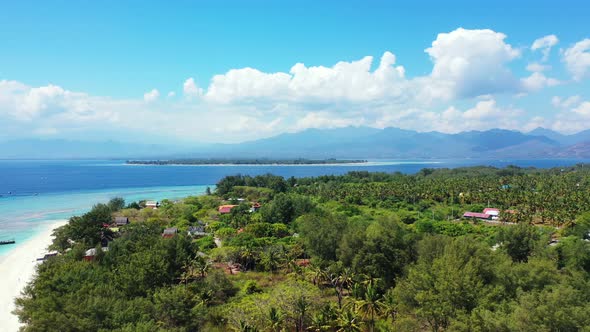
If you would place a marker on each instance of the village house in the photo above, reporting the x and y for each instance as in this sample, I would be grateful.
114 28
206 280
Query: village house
152 204
90 254
198 229
486 214
477 215
169 232
121 221
491 211
224 209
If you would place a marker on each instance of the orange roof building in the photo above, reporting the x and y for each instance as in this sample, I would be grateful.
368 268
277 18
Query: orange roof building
223 209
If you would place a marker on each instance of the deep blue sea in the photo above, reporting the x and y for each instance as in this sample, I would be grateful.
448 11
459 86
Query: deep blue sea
35 192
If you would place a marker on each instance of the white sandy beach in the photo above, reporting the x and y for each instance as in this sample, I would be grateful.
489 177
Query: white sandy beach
17 268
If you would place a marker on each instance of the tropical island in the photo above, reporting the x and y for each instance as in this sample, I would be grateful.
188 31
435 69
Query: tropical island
257 161
466 249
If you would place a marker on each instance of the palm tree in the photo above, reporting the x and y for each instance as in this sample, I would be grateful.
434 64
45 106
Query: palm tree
318 275
370 306
319 323
301 307
275 319
348 322
272 259
389 305
188 272
202 265
248 256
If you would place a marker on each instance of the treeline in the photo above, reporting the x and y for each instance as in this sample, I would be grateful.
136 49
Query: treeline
358 252
263 161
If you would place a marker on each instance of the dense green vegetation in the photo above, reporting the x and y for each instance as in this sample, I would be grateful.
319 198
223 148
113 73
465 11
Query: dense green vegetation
259 161
358 252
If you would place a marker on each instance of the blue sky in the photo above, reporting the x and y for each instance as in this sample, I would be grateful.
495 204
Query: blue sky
95 69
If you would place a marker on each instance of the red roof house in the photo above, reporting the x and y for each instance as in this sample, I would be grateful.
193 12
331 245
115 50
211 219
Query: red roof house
223 209
491 211
476 215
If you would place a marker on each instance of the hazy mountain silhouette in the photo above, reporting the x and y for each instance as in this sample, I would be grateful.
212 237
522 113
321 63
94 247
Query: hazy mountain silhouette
348 142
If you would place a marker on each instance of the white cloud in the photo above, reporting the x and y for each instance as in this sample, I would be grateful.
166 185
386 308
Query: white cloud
574 119
151 96
469 66
537 67
483 110
344 82
243 123
583 109
545 44
559 102
190 89
577 59
534 123
467 63
474 61
325 120
536 81
25 103
484 115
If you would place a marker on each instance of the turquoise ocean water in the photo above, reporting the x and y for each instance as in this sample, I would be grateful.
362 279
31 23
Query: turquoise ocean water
21 217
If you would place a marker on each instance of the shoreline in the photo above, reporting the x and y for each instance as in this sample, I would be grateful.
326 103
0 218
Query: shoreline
18 268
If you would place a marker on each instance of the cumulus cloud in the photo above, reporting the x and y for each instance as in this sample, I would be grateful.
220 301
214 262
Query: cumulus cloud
577 59
26 103
484 115
190 88
467 63
583 109
536 81
559 102
469 67
473 61
574 119
325 120
534 123
151 96
345 81
545 44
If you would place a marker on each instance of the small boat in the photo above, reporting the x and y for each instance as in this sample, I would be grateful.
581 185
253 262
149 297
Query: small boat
7 242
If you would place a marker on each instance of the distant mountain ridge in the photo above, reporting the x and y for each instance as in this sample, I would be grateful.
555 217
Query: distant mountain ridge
362 142
347 142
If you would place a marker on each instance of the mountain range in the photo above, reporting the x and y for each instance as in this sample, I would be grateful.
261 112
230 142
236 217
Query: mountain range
348 142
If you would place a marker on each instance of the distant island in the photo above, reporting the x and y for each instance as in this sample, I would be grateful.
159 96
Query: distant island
299 161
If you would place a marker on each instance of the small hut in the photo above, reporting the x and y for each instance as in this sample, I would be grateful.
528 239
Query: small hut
121 221
170 232
152 204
